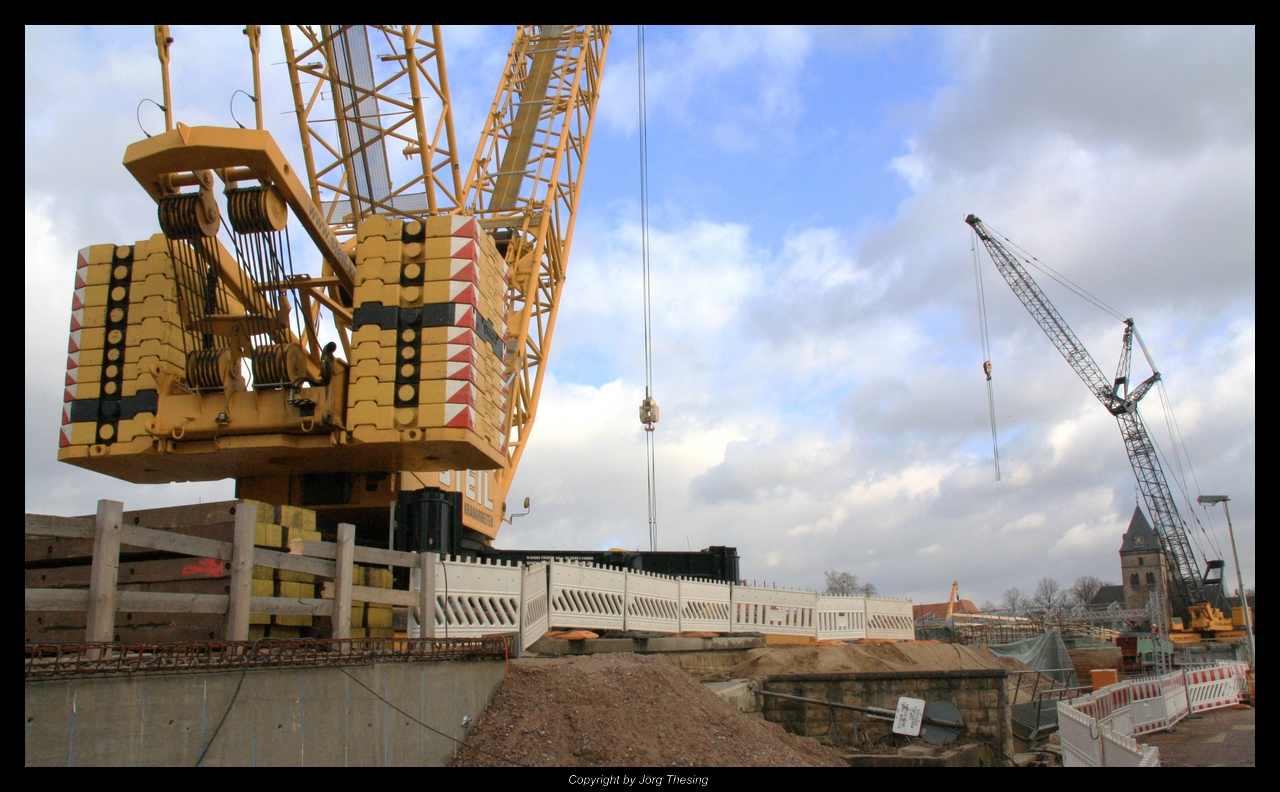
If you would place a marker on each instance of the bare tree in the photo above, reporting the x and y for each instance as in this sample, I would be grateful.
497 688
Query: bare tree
1049 596
987 606
1084 590
1013 600
844 584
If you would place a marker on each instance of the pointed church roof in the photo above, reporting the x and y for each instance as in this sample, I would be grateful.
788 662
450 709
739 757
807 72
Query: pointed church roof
1140 536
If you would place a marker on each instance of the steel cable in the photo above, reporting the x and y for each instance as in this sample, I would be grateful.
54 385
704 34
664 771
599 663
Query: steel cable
651 472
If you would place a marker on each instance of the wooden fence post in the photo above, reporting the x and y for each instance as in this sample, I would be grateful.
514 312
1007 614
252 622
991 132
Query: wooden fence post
427 594
241 572
342 581
101 621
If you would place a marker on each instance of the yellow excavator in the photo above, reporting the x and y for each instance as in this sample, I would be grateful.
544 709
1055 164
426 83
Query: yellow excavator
395 390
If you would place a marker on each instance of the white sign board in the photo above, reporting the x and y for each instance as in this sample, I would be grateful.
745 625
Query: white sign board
909 717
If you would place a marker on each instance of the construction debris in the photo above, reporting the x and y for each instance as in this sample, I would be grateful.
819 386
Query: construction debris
625 710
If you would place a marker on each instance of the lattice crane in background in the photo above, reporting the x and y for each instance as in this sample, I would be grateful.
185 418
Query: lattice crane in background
1191 587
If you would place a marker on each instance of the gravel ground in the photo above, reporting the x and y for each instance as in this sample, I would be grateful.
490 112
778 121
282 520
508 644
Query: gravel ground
1218 738
624 710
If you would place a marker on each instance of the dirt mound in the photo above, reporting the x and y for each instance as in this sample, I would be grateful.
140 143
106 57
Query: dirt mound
772 660
624 710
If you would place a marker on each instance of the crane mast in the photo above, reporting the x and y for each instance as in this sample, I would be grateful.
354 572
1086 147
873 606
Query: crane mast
1122 402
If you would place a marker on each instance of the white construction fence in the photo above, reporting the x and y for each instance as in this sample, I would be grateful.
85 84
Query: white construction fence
466 597
1098 729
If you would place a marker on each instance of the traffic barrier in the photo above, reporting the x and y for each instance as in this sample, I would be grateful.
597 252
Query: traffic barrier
533 603
653 602
842 618
587 595
704 605
890 618
776 611
475 598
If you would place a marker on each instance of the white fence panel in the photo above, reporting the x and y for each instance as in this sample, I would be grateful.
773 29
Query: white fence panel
704 605
653 602
890 618
533 604
776 611
1214 687
586 595
475 598
842 618
1120 750
1081 743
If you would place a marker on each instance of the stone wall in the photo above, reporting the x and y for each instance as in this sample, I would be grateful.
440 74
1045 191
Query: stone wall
980 695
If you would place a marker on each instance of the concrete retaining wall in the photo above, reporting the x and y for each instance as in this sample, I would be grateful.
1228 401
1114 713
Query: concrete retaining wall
980 695
281 717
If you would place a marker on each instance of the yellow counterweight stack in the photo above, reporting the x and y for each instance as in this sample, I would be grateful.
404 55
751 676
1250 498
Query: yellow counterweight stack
124 323
429 330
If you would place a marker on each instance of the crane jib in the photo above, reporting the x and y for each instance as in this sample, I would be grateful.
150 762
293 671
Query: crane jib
1156 494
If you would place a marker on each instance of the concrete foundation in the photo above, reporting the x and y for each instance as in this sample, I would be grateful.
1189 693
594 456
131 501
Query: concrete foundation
281 716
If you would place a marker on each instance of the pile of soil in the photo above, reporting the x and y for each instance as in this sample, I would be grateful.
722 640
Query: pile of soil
772 660
624 710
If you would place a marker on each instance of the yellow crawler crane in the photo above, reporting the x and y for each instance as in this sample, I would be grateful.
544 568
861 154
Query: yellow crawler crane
198 354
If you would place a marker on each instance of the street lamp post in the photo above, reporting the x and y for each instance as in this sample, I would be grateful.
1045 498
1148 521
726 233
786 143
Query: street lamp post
1244 599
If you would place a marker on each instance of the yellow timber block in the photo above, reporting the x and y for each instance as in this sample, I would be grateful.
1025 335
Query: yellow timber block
377 422
155 285
266 514
449 247
156 243
379 226
369 269
381 632
256 619
275 630
440 369
294 621
357 577
84 433
102 254
298 518
377 290
263 573
446 335
268 534
357 617
130 387
300 533
374 334
379 247
141 369
138 445
94 296
358 632
295 577
372 351
458 353
387 271
375 434
366 389
263 588
445 269
294 590
378 577
370 368
73 452
378 616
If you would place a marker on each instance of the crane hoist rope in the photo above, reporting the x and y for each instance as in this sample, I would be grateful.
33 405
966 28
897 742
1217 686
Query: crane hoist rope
648 407
986 351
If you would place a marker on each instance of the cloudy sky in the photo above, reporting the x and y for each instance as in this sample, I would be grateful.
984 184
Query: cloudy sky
817 354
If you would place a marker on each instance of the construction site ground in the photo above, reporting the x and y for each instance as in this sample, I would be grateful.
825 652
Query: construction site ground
1218 738
624 709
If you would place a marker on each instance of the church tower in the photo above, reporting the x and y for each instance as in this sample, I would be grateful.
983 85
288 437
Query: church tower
1142 563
